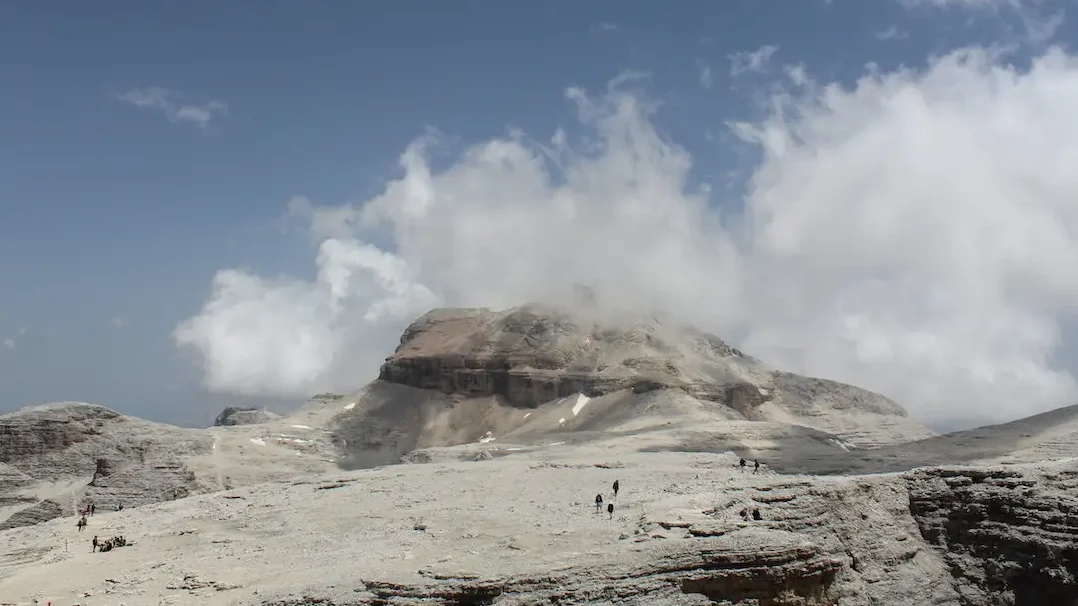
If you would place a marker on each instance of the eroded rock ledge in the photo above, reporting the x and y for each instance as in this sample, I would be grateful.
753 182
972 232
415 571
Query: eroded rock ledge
531 355
1010 537
731 569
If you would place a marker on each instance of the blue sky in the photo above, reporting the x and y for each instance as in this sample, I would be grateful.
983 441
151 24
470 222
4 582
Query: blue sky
115 217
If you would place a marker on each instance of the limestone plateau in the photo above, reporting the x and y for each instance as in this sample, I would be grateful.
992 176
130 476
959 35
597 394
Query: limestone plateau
466 474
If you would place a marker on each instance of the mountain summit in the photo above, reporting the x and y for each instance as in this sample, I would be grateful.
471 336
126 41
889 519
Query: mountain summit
535 372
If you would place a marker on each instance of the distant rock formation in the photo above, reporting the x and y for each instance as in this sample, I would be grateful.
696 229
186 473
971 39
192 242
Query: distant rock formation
243 415
534 354
99 454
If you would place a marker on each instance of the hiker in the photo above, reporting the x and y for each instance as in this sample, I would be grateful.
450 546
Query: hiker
94 544
81 524
120 507
610 510
756 468
756 514
742 465
745 513
615 489
93 508
598 503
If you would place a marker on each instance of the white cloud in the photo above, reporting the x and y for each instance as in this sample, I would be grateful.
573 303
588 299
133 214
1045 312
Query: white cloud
751 61
707 80
166 101
915 234
120 322
9 343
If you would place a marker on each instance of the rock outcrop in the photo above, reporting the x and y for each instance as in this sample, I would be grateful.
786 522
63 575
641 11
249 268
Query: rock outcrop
530 356
533 354
77 452
240 415
39 512
1008 535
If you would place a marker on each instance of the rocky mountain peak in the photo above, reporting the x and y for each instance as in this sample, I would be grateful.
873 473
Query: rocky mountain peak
532 354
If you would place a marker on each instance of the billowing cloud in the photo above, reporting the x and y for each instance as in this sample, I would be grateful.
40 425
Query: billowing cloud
167 102
915 233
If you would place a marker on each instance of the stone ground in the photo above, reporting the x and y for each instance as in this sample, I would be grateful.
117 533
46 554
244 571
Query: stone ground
531 514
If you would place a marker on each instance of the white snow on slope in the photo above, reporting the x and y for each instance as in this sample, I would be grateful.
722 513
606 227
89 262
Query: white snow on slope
581 400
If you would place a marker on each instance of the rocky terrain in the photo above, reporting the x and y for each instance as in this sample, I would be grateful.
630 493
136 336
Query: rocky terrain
466 475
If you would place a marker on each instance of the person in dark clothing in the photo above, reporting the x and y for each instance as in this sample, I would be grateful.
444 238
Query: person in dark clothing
756 467
615 489
598 503
742 465
93 508
94 544
610 510
756 514
120 507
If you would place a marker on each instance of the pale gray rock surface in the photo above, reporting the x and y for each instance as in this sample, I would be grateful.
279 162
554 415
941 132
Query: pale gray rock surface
522 529
469 474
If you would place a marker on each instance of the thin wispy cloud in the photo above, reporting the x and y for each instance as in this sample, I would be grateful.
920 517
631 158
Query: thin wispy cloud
9 343
169 103
120 322
892 33
1037 25
751 61
707 80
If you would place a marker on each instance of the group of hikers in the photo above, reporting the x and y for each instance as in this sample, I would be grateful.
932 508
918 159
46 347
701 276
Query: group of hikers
95 544
107 544
744 512
755 468
609 506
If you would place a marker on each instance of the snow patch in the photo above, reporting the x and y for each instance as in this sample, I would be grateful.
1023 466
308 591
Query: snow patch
555 443
581 400
302 426
847 446
258 441
350 406
487 437
291 439
526 415
561 420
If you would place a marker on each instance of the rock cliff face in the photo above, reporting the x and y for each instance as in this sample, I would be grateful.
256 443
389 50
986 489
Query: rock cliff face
532 355
61 454
1008 536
